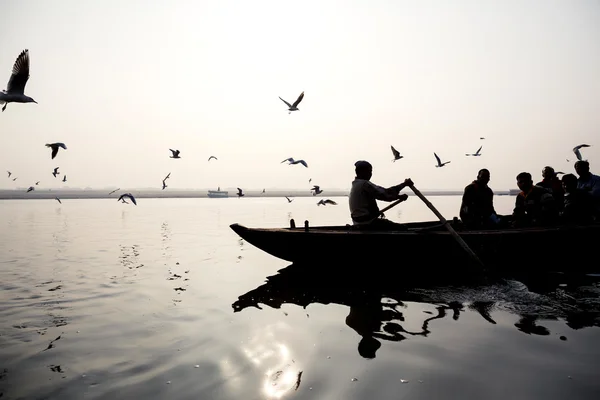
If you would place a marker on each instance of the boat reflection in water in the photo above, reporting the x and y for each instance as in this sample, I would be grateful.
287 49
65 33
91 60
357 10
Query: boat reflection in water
376 302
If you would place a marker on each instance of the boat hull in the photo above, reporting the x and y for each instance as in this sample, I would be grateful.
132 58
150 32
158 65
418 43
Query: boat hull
565 248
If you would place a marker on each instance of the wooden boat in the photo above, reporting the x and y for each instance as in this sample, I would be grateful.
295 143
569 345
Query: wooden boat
430 245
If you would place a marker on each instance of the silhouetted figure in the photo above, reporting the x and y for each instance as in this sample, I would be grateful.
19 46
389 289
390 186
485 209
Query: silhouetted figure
553 185
588 182
534 206
477 207
578 204
363 199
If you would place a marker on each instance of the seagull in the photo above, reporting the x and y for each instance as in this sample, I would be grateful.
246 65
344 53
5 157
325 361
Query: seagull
37 183
15 89
114 191
175 153
14 179
288 199
481 138
56 172
9 173
31 188
64 178
211 157
317 190
128 195
263 190
291 161
576 151
55 147
164 184
325 202
57 199
294 107
240 193
439 162
396 153
476 154
310 180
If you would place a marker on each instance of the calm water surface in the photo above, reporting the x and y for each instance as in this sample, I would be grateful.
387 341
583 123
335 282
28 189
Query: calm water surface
103 300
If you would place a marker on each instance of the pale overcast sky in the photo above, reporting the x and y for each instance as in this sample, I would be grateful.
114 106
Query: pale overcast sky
121 82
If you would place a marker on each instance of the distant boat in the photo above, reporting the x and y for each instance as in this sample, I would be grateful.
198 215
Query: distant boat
218 194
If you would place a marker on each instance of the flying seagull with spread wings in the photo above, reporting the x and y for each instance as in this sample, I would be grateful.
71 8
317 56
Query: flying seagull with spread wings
15 90
439 162
476 154
293 107
316 189
240 193
129 196
291 161
211 157
175 153
55 147
577 152
288 199
396 153
164 181
64 178
55 172
325 202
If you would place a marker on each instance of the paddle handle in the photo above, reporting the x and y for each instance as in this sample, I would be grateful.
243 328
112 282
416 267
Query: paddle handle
460 240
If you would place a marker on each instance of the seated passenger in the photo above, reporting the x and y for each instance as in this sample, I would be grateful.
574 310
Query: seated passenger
588 182
534 206
477 208
551 183
579 205
363 196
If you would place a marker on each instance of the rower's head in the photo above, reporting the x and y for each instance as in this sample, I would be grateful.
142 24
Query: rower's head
524 181
364 169
582 168
569 182
483 176
548 173
368 346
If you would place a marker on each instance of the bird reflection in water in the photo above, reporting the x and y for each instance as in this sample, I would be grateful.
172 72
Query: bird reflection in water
281 369
374 318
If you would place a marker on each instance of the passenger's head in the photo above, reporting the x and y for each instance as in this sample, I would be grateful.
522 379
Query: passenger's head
524 181
582 168
483 176
569 182
364 169
548 173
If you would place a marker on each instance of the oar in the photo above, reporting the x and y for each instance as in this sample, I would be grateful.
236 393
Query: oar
443 220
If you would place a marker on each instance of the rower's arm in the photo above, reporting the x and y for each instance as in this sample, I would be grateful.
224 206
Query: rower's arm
381 193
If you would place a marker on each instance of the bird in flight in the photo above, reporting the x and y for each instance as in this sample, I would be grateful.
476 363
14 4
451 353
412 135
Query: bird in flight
54 147
396 153
64 178
31 188
439 162
211 157
55 172
57 199
291 161
577 152
164 184
129 196
175 153
240 193
114 191
293 107
325 202
316 189
9 173
37 183
288 199
15 90
476 154
481 138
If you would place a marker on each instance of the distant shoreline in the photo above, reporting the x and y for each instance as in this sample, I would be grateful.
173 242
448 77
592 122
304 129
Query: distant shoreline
192 193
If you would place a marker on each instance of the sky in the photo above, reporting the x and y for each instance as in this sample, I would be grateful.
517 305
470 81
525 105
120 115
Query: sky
121 82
